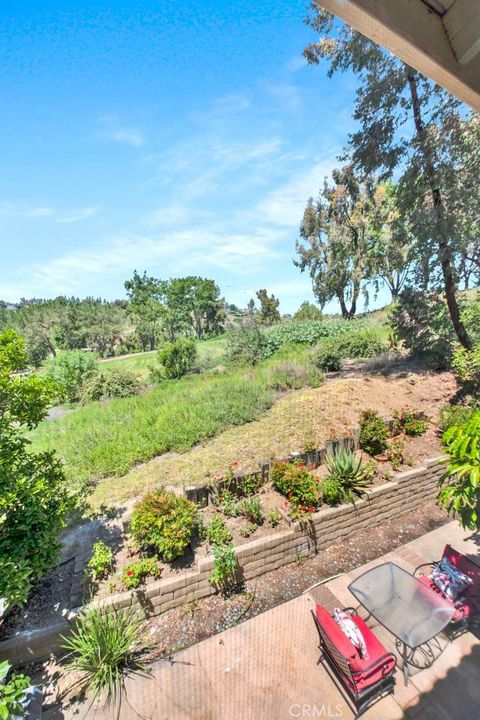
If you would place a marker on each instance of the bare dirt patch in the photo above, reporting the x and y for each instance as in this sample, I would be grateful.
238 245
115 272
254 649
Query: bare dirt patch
298 418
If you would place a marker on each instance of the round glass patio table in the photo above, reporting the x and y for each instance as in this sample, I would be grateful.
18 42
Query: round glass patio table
410 610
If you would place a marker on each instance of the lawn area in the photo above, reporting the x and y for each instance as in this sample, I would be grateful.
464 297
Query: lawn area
210 353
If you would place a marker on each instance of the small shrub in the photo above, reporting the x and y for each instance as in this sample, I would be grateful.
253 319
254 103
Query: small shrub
164 522
100 564
373 433
274 518
333 491
247 346
178 358
104 648
12 692
248 529
134 574
291 375
225 566
409 422
466 364
227 503
348 470
68 371
251 508
396 452
454 415
295 482
217 531
249 484
329 359
108 384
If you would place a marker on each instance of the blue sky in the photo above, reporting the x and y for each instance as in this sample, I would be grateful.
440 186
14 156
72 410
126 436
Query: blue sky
180 138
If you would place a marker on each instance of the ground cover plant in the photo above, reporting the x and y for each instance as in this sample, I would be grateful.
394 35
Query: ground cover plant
135 573
12 692
100 564
373 433
297 485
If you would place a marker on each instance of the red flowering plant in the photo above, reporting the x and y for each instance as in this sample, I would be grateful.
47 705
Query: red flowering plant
136 573
299 487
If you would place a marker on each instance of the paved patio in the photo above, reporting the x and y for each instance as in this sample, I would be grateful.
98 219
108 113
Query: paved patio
266 668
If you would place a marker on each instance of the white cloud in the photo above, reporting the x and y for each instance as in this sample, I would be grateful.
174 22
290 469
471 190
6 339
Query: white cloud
117 131
41 212
59 216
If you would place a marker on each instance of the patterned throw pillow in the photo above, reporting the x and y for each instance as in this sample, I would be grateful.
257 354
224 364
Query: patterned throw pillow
351 630
450 580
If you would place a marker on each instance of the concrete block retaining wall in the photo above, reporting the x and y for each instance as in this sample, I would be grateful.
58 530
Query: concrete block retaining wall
407 491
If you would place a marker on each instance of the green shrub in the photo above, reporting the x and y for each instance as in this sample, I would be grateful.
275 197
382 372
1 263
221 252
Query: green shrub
249 484
104 648
100 564
460 483
396 452
218 532
164 522
227 503
466 364
409 421
422 322
134 574
274 518
248 529
34 500
329 358
68 371
373 433
246 345
348 470
291 375
12 692
108 384
454 415
295 482
225 566
308 333
332 491
251 509
178 358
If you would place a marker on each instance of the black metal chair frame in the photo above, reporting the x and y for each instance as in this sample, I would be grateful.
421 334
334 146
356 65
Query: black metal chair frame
455 627
362 699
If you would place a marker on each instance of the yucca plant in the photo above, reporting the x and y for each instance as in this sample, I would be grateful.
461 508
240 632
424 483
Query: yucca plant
348 469
105 647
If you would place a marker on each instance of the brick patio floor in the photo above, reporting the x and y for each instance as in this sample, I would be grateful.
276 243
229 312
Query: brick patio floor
266 668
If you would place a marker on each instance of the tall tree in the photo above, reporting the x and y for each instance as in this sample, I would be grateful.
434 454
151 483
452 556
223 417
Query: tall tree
269 312
145 307
401 114
308 311
38 321
338 233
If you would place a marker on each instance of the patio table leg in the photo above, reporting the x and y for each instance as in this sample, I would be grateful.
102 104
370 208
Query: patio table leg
405 665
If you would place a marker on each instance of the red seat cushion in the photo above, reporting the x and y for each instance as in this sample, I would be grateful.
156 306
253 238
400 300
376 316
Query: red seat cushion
366 671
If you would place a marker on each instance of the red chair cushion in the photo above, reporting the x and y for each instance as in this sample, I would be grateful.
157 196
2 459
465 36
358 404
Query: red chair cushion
366 671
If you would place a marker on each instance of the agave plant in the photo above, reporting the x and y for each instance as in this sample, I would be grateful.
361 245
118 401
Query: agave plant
348 469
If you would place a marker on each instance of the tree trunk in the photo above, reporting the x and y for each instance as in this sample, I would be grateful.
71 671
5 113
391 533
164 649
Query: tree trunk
152 342
442 238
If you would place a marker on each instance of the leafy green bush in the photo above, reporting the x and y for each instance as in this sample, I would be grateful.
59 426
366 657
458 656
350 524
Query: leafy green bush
329 358
409 421
251 509
422 322
308 333
100 564
396 452
164 522
274 518
12 692
332 491
373 433
246 345
227 502
291 375
454 415
466 364
108 384
225 566
295 482
178 358
218 532
345 467
105 647
68 371
134 574
34 500
248 529
460 483
249 484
